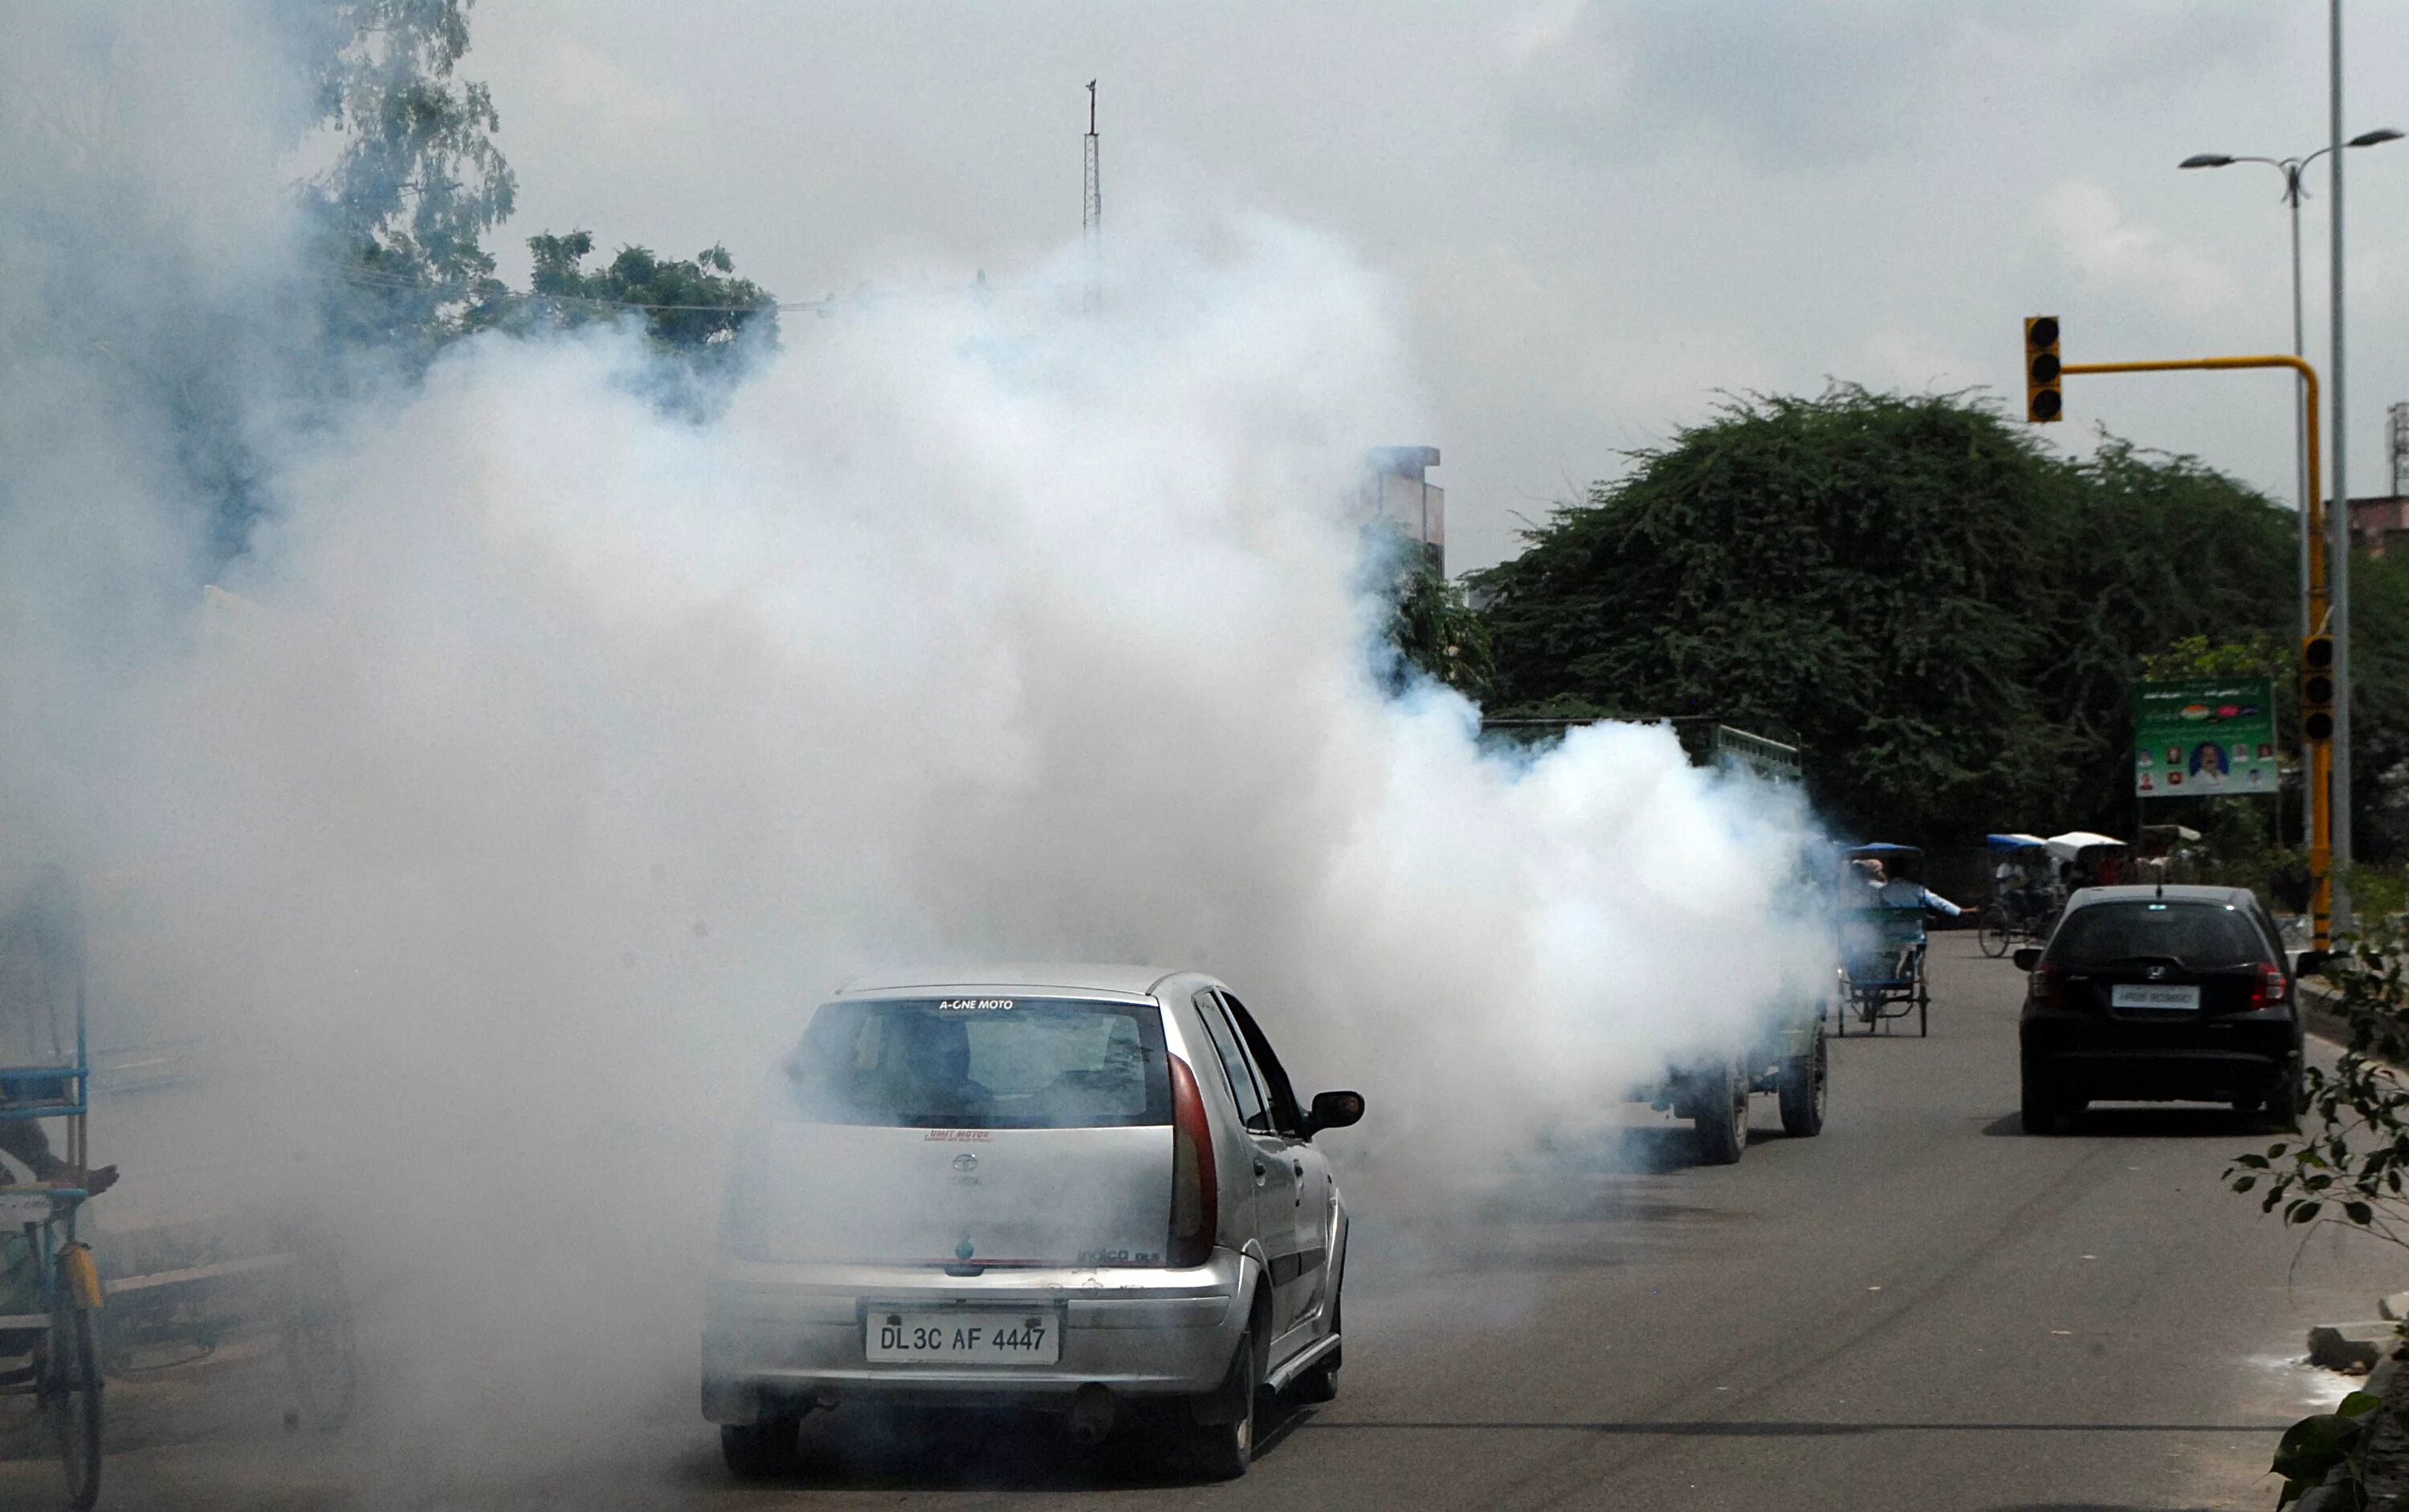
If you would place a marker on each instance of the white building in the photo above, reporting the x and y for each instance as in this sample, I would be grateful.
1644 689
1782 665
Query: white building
1396 484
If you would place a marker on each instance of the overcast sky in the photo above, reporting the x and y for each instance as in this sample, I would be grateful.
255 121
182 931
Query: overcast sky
1598 215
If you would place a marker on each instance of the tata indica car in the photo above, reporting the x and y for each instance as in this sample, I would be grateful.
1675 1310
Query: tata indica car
1083 1189
2161 994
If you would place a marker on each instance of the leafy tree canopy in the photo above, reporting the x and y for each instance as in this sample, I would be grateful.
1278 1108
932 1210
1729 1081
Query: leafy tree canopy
417 180
696 307
1949 618
1431 628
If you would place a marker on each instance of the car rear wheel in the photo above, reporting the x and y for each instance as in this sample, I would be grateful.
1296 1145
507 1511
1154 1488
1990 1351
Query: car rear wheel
1719 1125
762 1450
2046 1110
2288 1103
1222 1450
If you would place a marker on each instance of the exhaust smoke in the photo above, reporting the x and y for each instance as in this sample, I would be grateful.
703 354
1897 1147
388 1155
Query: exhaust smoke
553 755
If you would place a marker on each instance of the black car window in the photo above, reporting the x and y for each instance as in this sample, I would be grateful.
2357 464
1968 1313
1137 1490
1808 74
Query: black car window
1285 1115
1234 1070
2200 937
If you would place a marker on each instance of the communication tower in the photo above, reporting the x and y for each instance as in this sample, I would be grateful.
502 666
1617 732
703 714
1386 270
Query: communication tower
1091 210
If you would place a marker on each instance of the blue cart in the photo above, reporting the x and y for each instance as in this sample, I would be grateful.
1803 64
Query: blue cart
50 1288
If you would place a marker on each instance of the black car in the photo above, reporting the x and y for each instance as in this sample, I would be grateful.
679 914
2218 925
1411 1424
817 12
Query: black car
2161 994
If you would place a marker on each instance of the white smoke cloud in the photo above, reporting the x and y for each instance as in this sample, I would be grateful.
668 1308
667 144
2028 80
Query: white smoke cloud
557 755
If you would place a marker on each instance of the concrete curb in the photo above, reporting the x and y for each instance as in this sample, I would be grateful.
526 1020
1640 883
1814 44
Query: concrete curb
2319 1017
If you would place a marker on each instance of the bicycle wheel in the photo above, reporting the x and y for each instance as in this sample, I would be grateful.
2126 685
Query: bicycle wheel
1992 933
71 1398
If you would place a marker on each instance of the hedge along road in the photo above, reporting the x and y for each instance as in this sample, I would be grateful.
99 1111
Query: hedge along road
1920 1308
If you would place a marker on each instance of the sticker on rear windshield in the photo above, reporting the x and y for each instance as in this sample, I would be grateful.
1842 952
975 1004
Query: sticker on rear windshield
975 1005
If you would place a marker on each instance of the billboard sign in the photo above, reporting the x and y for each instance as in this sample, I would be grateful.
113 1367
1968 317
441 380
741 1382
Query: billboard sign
2205 737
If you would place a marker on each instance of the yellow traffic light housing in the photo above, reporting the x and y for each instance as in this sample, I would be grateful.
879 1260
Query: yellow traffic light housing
2044 400
2317 688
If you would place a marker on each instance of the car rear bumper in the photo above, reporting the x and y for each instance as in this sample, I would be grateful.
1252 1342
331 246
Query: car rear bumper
2226 1059
779 1337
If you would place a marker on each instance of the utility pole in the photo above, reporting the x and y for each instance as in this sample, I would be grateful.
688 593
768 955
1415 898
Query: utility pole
1091 210
2338 523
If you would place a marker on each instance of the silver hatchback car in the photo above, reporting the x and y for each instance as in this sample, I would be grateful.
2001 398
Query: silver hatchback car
1088 1189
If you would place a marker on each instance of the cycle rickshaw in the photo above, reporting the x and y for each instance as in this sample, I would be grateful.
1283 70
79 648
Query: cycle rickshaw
1882 946
2088 860
50 1289
2019 912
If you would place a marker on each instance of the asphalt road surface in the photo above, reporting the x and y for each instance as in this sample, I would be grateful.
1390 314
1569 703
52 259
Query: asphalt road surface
1922 1308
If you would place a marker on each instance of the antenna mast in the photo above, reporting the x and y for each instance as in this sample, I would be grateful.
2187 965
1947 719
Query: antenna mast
1091 210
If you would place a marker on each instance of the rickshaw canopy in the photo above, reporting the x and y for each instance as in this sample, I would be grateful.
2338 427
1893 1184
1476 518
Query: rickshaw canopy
2016 842
2072 845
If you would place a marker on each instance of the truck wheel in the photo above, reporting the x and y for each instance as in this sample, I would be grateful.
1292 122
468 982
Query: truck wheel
1806 1086
1718 1127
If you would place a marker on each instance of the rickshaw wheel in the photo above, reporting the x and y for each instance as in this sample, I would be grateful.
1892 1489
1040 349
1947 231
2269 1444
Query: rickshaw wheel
71 1396
1992 933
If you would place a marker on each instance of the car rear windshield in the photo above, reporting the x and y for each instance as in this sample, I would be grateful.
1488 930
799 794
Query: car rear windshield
989 1062
2200 937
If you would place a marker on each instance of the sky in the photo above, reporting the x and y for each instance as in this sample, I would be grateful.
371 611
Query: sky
1600 219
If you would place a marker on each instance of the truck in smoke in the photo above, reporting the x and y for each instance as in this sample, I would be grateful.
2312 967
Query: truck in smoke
1786 1058
1784 1055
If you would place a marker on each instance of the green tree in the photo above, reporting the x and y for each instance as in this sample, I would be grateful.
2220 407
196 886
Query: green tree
417 179
697 308
2379 710
1949 618
1432 627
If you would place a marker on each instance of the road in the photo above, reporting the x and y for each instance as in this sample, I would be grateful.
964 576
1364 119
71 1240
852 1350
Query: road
1922 1308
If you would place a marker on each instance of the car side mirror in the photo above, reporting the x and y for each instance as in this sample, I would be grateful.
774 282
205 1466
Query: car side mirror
1335 1110
2027 958
2312 962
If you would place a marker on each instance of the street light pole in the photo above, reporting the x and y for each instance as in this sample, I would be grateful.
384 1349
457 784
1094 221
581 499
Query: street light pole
2339 524
2337 545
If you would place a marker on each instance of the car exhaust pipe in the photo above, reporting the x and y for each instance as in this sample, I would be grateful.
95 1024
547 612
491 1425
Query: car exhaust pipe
1092 1411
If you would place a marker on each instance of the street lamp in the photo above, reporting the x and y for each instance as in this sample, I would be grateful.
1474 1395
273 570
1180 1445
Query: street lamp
2292 168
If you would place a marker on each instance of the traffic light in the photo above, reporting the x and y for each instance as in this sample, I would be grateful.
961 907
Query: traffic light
2044 400
2317 688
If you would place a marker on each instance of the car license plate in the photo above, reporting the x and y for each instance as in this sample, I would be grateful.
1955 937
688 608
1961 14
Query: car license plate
2133 995
963 1336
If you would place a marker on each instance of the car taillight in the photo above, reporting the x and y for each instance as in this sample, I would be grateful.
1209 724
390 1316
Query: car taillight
2270 988
2049 984
1195 1194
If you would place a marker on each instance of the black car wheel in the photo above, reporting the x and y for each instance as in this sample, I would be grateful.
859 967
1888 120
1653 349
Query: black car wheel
763 1450
1222 1450
2046 1109
2289 1102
